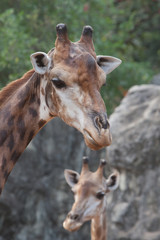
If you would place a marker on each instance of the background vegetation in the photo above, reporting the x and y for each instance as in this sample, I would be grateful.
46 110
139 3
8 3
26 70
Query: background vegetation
122 28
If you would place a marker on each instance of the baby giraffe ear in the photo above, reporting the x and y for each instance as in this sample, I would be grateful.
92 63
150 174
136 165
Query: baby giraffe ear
108 63
41 62
113 181
71 177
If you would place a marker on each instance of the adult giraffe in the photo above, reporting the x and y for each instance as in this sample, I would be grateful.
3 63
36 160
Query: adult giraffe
90 192
64 83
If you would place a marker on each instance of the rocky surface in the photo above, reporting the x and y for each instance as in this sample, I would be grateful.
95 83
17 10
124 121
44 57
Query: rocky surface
156 79
135 211
36 198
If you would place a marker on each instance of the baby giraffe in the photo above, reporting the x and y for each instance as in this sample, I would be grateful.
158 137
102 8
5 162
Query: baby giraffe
90 189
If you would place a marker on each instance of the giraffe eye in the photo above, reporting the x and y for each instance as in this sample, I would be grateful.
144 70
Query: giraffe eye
100 195
58 83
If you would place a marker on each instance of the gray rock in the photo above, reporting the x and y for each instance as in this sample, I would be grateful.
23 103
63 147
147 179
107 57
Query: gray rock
119 211
135 152
156 79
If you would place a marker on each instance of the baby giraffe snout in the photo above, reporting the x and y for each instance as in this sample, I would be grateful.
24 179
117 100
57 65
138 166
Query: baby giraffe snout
72 222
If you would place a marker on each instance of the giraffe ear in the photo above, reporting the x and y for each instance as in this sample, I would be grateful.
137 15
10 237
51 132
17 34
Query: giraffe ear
108 63
113 181
41 62
71 177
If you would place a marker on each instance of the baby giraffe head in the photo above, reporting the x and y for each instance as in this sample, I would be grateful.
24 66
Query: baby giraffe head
72 78
90 190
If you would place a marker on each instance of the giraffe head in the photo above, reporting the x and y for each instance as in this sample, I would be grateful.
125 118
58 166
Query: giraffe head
90 189
72 76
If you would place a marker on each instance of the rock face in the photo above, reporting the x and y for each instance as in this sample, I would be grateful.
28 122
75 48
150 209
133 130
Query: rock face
156 79
135 208
36 198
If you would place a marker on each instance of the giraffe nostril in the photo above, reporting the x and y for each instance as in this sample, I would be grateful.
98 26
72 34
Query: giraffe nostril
101 121
73 216
104 123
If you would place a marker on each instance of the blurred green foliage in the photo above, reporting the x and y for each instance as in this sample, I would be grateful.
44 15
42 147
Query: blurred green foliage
122 28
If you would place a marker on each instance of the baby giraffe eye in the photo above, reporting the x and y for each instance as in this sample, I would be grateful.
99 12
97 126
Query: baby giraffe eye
100 195
58 83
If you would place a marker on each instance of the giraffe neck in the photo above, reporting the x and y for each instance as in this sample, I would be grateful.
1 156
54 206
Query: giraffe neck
99 226
21 119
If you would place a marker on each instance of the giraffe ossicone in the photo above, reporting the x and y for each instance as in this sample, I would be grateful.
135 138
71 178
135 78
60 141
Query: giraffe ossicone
90 193
65 83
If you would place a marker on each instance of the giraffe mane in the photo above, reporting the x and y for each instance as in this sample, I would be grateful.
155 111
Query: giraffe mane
8 90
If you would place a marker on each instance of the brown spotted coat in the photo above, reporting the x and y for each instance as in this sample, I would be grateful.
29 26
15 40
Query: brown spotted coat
19 120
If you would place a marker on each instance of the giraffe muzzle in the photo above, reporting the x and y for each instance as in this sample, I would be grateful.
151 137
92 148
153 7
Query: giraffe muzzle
98 134
72 222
